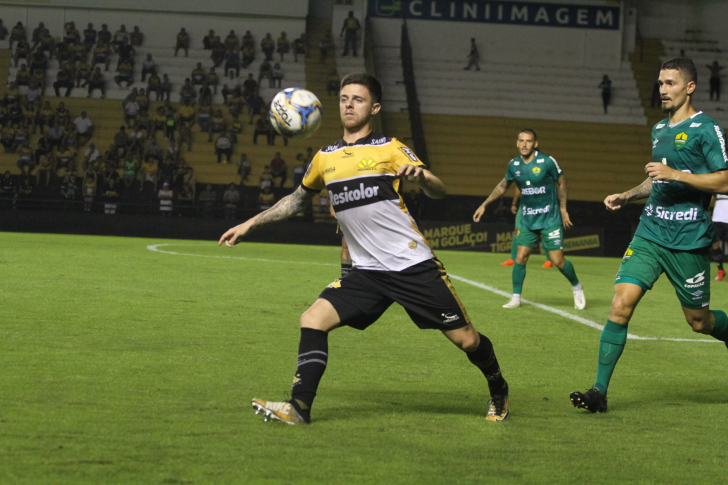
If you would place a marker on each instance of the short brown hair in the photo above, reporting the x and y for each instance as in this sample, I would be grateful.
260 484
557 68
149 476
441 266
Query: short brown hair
367 80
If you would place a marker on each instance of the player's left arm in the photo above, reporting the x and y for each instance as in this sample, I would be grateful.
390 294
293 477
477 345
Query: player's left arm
563 193
430 184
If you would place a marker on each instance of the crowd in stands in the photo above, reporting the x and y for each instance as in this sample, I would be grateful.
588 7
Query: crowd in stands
137 166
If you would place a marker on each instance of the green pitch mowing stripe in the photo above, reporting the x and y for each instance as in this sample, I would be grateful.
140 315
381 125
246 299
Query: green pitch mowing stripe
125 365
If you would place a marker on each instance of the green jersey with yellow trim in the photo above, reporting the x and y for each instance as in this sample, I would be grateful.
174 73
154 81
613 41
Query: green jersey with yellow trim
539 196
676 215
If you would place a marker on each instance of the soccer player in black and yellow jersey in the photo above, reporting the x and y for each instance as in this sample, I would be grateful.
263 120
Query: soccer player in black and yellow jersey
392 260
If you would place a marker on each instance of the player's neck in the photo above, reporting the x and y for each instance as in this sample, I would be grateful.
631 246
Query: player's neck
351 136
529 158
682 113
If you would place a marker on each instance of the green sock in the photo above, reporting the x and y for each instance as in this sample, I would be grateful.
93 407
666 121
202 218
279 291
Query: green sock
611 345
720 330
519 274
514 248
568 271
548 256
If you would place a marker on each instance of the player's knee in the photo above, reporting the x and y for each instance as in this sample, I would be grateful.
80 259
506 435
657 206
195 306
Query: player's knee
699 323
622 308
469 340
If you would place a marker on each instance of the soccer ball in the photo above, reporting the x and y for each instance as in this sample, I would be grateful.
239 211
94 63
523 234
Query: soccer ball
296 113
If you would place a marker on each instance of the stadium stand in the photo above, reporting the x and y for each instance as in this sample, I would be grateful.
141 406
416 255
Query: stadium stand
107 114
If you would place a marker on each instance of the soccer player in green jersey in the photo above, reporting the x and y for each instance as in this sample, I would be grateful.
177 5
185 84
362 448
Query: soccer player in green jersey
543 211
675 233
514 245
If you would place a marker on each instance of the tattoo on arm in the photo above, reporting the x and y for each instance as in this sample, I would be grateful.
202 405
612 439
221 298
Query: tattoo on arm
563 192
641 191
498 191
285 208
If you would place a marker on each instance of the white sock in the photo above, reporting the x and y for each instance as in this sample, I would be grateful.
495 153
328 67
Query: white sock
516 297
577 287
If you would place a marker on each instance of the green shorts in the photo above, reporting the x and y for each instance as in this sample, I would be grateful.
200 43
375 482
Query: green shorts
553 239
688 271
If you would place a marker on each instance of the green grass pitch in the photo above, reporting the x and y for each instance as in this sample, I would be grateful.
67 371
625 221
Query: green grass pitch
121 364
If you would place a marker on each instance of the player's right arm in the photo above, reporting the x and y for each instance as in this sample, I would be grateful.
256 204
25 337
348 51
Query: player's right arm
617 201
498 191
286 207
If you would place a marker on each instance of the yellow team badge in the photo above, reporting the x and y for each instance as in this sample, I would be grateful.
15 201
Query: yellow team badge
536 170
335 284
680 140
627 254
412 245
366 164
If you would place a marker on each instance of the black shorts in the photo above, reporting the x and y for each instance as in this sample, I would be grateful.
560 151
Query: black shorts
424 290
721 230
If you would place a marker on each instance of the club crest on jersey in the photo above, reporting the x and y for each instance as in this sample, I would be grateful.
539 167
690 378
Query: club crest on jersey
680 140
335 284
536 170
412 245
627 254
366 164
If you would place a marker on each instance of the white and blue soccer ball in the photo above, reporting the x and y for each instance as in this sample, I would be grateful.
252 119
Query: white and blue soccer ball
296 113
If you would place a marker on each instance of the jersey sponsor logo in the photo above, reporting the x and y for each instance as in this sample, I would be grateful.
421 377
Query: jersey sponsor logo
721 139
534 191
329 170
540 160
347 154
528 211
680 140
366 164
696 281
661 125
379 141
352 195
536 170
450 317
516 163
409 153
695 125
661 213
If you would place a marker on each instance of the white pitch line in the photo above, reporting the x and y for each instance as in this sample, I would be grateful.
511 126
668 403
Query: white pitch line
578 319
583 321
155 248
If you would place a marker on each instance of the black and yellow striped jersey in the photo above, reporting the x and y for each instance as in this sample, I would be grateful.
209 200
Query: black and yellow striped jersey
360 178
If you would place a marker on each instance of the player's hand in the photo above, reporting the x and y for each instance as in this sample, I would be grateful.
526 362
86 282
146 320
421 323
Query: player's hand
412 173
233 235
479 213
615 201
514 209
566 220
660 171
